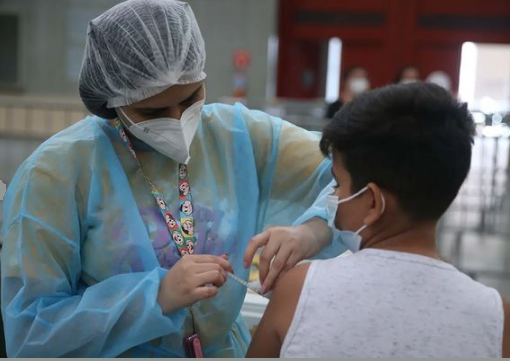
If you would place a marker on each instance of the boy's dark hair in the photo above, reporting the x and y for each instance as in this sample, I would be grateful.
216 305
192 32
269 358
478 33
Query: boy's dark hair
413 140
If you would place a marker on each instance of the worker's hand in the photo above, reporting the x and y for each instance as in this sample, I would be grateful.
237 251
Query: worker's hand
284 247
191 279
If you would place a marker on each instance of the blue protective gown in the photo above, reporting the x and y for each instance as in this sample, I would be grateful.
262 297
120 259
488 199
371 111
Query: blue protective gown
85 248
318 210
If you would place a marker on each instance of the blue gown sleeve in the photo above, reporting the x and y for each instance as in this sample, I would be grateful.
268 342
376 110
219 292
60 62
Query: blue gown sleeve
291 169
318 210
47 311
294 177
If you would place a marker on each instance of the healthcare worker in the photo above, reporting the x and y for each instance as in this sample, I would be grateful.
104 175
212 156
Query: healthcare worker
119 231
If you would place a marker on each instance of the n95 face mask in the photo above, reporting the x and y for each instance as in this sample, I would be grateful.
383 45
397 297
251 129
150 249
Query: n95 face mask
170 137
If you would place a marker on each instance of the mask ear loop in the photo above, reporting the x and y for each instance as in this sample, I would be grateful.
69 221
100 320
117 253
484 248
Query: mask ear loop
353 196
124 117
361 229
382 212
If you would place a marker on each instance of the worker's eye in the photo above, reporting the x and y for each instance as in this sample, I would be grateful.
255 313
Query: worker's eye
190 101
151 113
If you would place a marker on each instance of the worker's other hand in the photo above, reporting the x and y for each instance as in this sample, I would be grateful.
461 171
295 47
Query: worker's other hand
284 247
191 279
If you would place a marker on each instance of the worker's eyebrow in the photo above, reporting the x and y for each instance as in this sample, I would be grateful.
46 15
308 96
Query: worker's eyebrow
156 108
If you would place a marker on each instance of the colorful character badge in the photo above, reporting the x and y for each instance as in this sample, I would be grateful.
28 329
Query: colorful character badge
170 222
184 189
191 246
187 208
177 237
183 171
160 202
187 227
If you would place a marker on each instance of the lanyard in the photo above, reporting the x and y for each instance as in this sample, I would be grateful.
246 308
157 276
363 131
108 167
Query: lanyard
183 235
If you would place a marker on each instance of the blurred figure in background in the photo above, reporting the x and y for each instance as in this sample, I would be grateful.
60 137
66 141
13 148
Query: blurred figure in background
408 74
355 82
440 78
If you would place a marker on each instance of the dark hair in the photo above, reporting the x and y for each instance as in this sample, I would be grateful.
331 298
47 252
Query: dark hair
413 140
401 72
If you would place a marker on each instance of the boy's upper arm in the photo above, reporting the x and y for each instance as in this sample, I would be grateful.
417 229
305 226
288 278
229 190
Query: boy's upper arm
275 323
506 332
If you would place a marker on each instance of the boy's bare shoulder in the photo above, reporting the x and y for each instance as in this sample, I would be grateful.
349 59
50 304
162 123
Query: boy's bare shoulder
268 340
294 279
286 296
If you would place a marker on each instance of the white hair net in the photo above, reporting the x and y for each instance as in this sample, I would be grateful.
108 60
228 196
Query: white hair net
138 49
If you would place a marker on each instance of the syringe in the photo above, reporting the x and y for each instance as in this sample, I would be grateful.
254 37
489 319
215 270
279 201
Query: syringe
248 285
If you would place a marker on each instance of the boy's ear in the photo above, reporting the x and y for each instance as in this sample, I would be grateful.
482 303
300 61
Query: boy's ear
378 204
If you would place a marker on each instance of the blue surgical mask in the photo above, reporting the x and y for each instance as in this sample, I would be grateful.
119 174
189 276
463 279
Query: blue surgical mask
352 240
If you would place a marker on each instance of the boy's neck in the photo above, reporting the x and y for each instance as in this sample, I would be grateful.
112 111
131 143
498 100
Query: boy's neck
417 240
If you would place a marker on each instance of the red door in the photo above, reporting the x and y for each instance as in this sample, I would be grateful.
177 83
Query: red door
382 36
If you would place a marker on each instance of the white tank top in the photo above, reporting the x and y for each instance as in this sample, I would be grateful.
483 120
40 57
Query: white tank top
379 303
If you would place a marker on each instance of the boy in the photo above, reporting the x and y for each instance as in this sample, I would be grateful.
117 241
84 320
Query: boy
400 155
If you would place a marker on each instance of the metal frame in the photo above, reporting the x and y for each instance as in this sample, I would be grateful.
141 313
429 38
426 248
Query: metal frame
483 204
